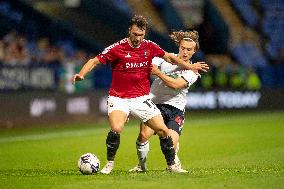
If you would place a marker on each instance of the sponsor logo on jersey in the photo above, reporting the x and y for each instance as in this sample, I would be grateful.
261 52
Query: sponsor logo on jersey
179 120
136 64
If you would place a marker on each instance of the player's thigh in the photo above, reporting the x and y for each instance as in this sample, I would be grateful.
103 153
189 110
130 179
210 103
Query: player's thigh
176 122
118 111
145 132
117 120
157 124
173 117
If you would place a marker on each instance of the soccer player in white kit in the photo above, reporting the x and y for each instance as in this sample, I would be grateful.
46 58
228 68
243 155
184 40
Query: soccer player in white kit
169 94
130 60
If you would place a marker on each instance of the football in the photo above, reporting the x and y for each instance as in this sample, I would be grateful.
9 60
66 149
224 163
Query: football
89 164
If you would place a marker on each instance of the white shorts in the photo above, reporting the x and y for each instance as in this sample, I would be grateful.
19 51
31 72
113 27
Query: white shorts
141 107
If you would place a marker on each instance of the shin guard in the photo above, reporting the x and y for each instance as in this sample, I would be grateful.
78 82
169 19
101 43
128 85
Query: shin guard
168 150
112 143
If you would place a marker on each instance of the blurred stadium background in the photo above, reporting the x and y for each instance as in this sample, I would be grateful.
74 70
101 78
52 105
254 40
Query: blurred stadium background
43 43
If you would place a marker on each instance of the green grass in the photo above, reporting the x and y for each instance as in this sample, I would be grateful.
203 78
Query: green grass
221 150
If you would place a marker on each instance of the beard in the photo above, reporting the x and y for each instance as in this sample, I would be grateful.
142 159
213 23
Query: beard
135 43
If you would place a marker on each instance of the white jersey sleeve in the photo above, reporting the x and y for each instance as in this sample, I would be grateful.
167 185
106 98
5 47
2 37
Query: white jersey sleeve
189 76
157 61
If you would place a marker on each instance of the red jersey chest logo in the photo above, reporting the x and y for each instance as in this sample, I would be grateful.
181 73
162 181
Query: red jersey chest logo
135 59
146 53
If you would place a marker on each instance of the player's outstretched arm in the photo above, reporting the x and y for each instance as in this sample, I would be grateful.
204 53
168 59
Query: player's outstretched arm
174 83
199 66
85 69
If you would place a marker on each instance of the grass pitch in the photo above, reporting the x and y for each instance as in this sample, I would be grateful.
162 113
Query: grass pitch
220 150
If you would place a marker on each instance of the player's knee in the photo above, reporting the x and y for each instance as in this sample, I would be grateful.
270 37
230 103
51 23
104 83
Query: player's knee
117 127
162 132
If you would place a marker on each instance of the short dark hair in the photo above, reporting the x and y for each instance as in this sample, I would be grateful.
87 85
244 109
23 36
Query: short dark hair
140 21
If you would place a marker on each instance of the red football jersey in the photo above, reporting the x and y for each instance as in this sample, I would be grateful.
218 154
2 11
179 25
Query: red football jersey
131 67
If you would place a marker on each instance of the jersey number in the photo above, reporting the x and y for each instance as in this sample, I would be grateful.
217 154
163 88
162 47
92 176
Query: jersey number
150 103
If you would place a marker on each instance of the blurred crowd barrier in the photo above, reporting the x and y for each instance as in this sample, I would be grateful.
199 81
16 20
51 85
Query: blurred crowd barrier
57 77
45 108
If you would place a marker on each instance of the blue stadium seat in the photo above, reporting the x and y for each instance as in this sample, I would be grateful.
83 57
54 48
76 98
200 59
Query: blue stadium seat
247 12
273 26
248 55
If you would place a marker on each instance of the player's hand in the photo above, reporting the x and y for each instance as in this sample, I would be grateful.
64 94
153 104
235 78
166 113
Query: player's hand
155 70
197 73
200 66
77 77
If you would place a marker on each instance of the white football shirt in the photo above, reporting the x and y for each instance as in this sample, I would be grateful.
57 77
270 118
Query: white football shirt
162 94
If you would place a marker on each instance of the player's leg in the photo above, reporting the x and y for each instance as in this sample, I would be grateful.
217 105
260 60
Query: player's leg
142 144
166 142
175 137
117 120
117 117
145 133
147 111
175 120
142 147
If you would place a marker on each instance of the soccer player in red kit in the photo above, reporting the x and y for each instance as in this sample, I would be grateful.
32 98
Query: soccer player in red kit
131 59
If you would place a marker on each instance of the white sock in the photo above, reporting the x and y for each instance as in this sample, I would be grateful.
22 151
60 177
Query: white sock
177 161
177 148
142 152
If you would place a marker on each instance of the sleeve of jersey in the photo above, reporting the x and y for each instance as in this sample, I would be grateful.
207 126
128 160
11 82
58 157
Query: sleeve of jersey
157 61
157 50
106 56
190 77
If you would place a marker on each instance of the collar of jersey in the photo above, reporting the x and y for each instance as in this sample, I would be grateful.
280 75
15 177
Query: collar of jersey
131 45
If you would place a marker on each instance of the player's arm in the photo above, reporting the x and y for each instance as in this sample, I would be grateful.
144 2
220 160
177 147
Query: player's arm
175 83
93 62
171 58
